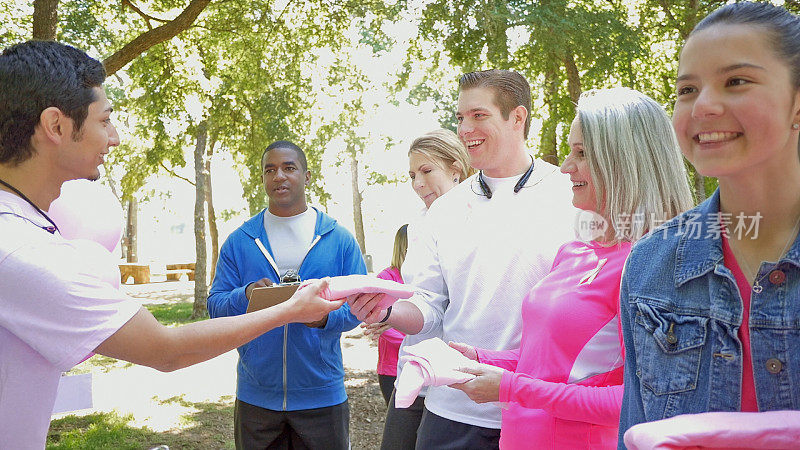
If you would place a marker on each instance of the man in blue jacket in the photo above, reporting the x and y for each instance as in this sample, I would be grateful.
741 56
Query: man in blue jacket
290 389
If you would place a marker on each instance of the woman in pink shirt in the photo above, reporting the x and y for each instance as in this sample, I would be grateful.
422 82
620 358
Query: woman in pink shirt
389 341
563 386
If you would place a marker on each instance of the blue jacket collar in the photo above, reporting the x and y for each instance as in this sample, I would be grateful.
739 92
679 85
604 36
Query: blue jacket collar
254 227
697 256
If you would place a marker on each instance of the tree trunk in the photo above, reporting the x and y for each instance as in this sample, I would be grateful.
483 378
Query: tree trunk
155 36
212 217
200 283
549 149
358 218
45 19
573 79
130 242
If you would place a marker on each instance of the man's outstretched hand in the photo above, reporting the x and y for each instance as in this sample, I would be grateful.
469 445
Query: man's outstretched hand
306 305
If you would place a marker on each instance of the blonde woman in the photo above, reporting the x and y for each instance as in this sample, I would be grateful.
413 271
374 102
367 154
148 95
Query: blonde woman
437 161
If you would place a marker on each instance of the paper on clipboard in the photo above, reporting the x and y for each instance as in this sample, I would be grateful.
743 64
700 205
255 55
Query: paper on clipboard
264 297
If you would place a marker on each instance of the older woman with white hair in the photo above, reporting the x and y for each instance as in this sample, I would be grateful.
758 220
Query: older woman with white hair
563 385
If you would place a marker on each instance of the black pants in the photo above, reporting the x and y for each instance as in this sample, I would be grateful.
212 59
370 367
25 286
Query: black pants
319 428
400 428
438 433
386 383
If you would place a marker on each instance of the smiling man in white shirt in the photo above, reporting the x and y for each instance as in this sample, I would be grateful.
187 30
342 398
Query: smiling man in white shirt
483 246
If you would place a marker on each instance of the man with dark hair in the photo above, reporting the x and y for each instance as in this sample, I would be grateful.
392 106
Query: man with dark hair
290 385
38 75
301 155
59 299
479 251
510 91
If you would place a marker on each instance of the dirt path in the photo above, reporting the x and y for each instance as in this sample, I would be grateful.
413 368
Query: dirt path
197 402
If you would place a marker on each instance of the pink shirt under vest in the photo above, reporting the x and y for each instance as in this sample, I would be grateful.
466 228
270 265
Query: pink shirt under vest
749 402
389 341
563 386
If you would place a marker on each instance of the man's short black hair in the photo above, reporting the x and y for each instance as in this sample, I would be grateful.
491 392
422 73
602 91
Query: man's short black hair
34 76
301 155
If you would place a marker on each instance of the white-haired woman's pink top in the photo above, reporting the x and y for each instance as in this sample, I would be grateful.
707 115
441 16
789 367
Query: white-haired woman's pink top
563 385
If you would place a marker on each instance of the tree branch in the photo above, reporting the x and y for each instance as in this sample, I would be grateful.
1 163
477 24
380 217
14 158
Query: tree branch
147 18
172 172
155 36
665 7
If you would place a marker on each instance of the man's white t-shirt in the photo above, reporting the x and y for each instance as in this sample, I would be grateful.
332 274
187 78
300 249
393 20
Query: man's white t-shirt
475 260
59 300
289 238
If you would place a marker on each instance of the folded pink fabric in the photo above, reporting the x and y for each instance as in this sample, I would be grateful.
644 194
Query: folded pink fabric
429 363
731 430
340 287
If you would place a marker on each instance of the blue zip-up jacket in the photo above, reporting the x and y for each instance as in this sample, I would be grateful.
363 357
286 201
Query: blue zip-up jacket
292 367
681 312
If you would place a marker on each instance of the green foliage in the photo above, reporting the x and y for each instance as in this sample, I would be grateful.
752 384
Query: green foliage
17 22
251 68
711 185
244 67
567 45
81 24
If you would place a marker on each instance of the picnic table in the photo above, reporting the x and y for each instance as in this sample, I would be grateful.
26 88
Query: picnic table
174 271
139 272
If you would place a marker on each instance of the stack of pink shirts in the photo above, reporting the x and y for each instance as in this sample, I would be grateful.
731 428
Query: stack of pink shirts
730 430
429 363
347 285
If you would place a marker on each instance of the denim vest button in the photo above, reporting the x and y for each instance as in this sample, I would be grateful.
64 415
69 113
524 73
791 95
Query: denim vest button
777 277
774 365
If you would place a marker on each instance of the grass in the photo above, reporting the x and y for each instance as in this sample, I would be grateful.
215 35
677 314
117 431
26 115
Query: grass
173 314
96 431
206 428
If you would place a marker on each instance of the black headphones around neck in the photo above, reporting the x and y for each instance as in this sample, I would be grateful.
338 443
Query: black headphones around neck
517 187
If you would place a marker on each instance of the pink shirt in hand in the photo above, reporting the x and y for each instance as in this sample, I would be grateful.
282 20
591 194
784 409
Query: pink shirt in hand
728 430
564 384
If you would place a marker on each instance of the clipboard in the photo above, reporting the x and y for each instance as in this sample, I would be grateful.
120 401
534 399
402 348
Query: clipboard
264 297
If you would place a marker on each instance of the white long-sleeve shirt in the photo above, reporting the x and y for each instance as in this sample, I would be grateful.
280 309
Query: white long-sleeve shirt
475 260
408 271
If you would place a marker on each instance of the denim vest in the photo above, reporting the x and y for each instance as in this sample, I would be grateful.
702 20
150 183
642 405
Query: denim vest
681 311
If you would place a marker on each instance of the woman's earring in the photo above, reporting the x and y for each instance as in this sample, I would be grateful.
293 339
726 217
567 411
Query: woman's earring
455 180
796 126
